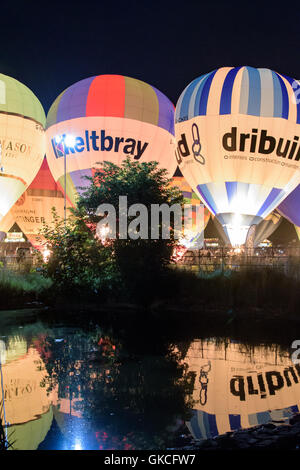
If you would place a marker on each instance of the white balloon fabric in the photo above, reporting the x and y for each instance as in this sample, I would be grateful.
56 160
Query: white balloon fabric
22 140
237 132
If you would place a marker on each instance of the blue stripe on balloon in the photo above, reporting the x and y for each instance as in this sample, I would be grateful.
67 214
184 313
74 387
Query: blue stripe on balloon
231 188
205 94
235 422
270 199
294 408
254 97
226 95
285 98
195 425
207 197
184 108
212 425
278 100
194 109
263 417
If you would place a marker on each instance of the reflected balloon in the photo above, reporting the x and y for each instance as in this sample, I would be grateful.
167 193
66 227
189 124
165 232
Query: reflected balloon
239 386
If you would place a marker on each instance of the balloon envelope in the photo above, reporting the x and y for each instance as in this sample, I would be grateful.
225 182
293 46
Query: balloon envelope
237 132
34 208
108 118
266 227
237 386
290 207
22 140
192 235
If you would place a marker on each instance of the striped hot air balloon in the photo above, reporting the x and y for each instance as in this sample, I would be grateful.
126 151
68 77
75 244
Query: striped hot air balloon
266 227
108 117
237 132
22 140
238 387
290 207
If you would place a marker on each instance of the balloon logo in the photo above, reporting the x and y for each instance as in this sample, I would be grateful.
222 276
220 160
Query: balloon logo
196 147
237 131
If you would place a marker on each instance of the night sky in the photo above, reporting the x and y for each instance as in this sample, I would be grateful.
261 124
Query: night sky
50 45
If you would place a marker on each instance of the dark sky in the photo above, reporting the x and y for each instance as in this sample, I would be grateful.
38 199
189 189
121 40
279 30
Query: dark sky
50 45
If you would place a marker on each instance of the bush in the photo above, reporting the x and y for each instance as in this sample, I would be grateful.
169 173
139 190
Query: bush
79 264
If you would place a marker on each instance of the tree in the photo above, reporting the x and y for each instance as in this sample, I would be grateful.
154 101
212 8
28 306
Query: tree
79 263
142 262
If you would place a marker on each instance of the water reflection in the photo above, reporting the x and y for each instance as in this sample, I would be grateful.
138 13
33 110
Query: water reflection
26 409
238 387
112 398
86 388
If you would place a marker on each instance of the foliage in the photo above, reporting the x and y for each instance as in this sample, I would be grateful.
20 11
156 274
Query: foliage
142 261
78 263
17 288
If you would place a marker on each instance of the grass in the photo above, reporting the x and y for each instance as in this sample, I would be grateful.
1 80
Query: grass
16 289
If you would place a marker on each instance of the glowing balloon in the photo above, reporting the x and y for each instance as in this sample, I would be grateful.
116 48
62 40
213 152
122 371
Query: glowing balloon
237 132
290 207
108 118
297 231
34 207
22 140
266 227
239 387
191 236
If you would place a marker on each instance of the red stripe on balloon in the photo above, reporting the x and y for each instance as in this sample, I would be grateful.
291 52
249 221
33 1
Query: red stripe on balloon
106 96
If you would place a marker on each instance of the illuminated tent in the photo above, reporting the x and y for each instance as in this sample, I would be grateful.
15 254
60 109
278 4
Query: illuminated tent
238 386
107 118
34 207
22 140
237 132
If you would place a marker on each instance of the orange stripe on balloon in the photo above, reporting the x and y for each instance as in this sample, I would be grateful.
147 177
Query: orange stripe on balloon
106 96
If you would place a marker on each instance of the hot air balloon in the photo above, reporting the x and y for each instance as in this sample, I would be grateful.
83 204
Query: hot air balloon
297 231
22 140
192 235
237 132
238 387
290 207
107 118
26 405
34 207
266 227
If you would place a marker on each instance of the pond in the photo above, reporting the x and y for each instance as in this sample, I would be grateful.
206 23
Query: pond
66 386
